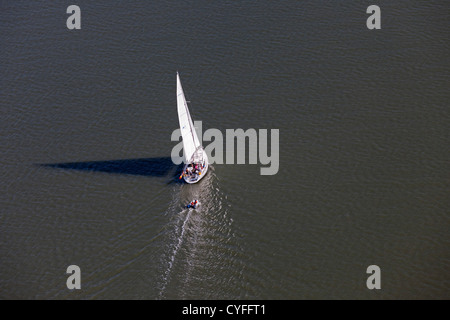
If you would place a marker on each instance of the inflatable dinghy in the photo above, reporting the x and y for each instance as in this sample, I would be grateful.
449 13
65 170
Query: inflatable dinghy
194 204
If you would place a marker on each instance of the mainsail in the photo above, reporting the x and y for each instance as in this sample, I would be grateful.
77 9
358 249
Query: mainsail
190 139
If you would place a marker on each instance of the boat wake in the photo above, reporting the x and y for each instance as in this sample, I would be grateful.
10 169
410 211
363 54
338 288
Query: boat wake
174 253
193 233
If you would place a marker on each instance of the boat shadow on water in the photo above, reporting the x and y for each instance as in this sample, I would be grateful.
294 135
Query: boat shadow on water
152 167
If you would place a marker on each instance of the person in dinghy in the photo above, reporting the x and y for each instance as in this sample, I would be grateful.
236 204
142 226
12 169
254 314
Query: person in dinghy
194 204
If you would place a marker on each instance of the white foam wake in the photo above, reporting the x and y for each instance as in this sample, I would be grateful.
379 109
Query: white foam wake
174 253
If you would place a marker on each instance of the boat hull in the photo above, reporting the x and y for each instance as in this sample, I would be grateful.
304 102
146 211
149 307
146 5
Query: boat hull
189 206
194 178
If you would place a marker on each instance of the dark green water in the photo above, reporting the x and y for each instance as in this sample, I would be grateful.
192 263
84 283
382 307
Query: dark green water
86 176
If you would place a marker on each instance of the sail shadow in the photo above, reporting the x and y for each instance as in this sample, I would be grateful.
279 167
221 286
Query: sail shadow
155 167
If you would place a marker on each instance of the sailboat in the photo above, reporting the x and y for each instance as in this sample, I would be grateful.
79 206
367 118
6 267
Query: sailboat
195 158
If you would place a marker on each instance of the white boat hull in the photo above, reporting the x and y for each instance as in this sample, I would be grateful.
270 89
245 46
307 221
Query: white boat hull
194 178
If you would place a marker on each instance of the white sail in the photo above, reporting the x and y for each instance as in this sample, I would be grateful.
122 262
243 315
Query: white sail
190 139
195 158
